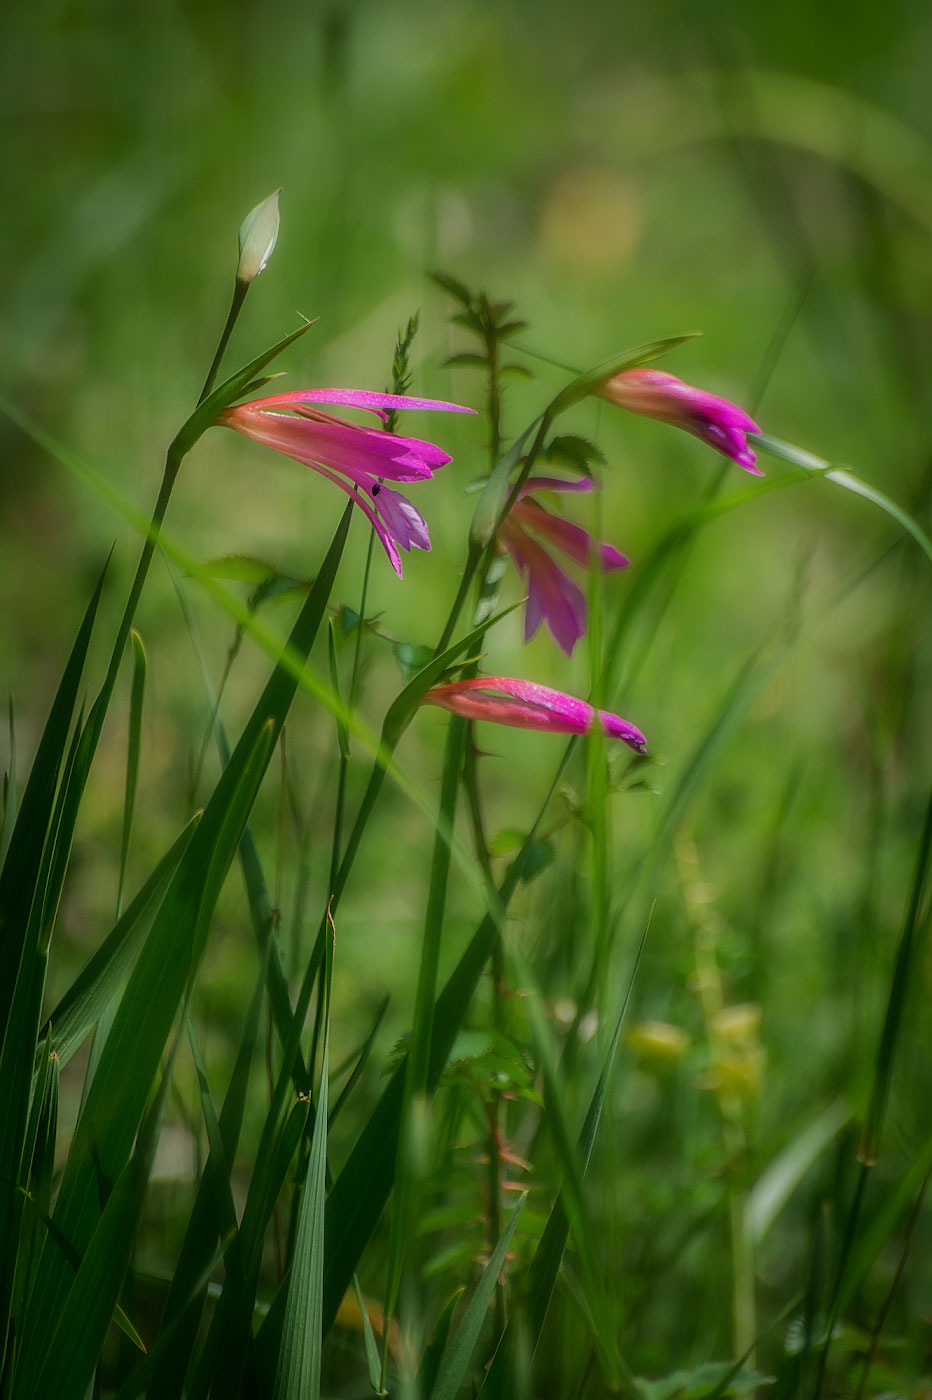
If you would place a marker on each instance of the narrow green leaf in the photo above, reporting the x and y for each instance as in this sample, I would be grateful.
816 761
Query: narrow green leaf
27 839
297 1375
456 289
81 1323
779 1179
849 482
219 1368
371 1345
169 956
137 696
495 491
10 794
188 1291
95 987
359 1194
910 955
584 384
418 1058
230 390
452 1371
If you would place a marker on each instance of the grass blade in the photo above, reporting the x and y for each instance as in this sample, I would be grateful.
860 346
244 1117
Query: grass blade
96 985
298 1372
455 1362
137 695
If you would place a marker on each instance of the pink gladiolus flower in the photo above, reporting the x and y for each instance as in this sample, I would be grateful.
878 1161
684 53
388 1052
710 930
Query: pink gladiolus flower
356 459
657 395
526 705
552 594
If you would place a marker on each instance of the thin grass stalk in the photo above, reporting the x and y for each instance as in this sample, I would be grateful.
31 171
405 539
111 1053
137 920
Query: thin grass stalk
417 1070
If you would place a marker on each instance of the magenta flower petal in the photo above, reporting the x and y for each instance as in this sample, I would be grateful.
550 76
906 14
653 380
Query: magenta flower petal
654 394
526 705
360 398
553 596
355 459
573 540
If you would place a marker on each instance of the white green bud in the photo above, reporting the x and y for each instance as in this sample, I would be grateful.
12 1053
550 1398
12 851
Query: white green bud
257 238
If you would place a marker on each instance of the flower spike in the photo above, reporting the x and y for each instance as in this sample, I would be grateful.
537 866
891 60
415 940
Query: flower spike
526 705
655 394
358 460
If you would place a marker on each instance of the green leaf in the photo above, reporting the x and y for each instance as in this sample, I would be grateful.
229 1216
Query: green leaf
229 391
86 1310
458 290
574 451
495 492
171 952
20 873
360 1191
188 1291
698 1383
584 384
451 1373
466 360
411 658
10 794
137 695
417 1070
779 1179
840 476
505 841
540 855
297 1375
95 987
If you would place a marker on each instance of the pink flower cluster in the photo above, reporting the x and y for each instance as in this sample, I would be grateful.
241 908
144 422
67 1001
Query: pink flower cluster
361 460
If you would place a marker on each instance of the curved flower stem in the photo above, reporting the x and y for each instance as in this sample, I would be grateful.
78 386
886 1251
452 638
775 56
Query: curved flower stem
236 305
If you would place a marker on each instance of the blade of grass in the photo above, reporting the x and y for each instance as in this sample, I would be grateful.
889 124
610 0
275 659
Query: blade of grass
10 792
840 476
137 696
454 1364
168 958
359 1194
185 1302
298 1372
88 1307
418 1058
95 987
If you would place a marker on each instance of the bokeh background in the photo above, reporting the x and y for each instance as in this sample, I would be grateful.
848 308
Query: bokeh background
761 173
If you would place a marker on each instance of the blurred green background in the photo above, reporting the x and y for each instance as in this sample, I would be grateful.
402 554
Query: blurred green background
761 173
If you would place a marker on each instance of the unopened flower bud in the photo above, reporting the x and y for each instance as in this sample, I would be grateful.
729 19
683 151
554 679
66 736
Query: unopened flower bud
257 238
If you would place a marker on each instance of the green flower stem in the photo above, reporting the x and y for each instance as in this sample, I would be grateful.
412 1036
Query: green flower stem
236 305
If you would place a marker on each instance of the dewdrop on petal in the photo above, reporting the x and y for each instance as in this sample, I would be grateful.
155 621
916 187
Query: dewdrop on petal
258 235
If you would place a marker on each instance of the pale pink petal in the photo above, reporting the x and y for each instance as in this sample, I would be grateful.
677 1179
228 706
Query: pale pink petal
404 522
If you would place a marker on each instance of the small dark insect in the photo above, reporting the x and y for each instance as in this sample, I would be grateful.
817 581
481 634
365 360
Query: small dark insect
376 489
